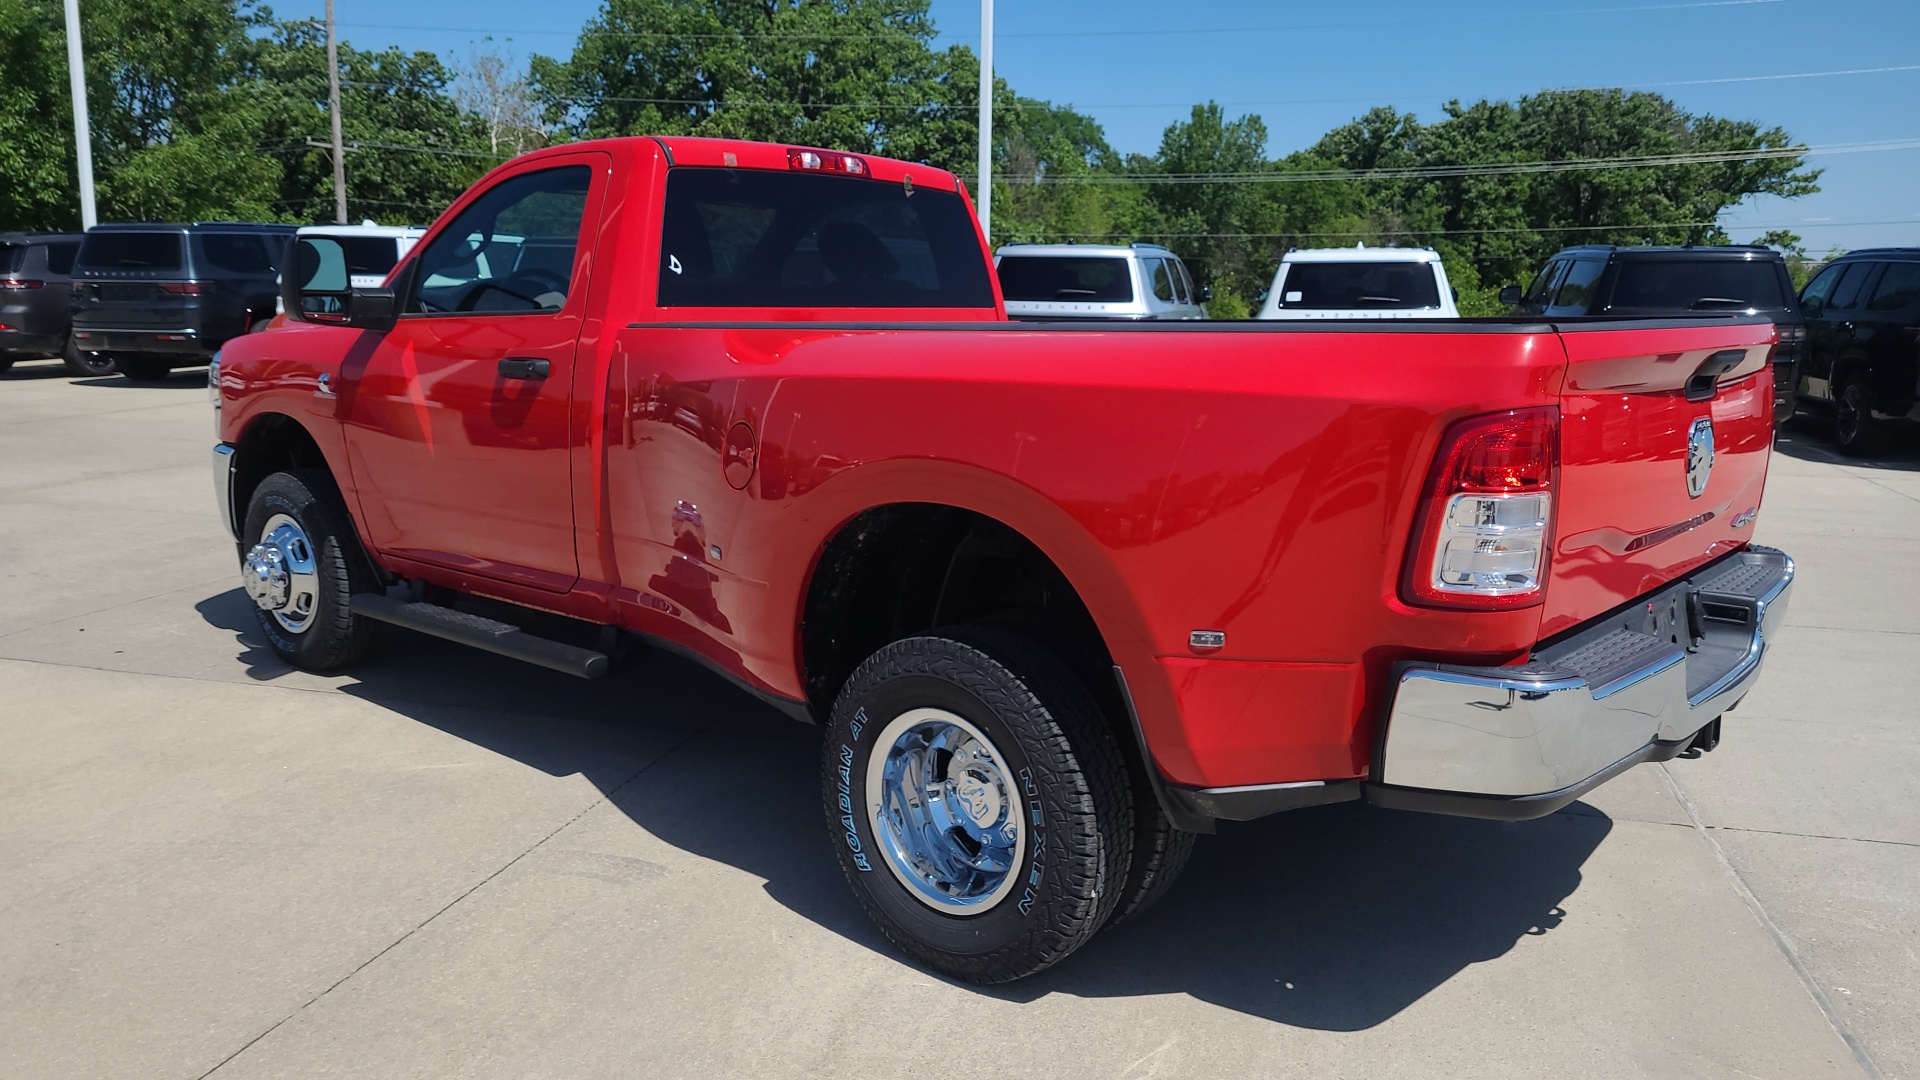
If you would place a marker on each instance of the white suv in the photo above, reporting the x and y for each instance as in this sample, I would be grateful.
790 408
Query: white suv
1097 281
1360 283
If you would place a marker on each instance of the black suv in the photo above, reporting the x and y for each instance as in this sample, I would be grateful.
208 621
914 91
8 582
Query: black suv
155 297
34 320
1602 279
1863 344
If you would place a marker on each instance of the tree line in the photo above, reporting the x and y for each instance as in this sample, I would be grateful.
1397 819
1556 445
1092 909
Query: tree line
215 109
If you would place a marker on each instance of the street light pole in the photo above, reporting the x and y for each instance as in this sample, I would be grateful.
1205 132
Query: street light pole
333 110
986 119
82 130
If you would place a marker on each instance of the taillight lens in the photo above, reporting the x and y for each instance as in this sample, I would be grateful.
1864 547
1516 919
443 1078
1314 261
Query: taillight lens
1486 519
827 161
181 288
21 284
1792 335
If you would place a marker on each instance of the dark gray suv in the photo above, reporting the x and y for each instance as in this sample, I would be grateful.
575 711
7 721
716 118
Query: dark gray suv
34 320
155 297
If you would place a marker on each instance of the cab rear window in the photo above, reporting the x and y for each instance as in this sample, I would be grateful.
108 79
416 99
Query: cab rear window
1073 280
1696 285
754 239
132 251
1383 286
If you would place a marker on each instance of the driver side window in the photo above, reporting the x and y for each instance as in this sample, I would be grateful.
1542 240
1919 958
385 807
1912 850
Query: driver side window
509 252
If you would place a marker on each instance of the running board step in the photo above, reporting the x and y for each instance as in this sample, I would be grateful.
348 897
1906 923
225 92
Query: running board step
482 633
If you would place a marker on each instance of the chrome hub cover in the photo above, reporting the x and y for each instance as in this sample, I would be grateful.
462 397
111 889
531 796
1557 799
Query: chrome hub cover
946 812
280 574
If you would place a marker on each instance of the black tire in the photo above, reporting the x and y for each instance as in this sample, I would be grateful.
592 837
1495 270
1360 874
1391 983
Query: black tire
1051 738
144 369
1854 427
6 365
335 637
1160 853
85 364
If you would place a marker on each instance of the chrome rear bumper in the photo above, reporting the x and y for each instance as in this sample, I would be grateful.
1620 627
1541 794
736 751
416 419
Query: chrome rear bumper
1515 743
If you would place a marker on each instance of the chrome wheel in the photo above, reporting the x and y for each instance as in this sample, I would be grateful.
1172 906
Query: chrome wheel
947 813
281 576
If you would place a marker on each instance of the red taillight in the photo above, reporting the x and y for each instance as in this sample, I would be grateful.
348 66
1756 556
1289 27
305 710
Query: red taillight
181 288
827 161
1485 526
21 284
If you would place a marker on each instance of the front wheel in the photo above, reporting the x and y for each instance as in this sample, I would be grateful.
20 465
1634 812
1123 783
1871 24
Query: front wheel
1854 427
978 803
300 569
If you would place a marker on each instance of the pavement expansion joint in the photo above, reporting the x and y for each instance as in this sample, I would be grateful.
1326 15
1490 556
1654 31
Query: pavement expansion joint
1840 1026
1814 836
605 796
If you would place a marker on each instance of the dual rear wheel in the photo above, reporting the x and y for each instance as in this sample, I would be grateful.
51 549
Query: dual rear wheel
981 808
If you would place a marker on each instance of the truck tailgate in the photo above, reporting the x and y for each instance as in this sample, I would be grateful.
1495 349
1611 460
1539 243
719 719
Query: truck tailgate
1641 498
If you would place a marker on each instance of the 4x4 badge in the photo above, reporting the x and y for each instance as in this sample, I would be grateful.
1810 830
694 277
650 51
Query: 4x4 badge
1699 456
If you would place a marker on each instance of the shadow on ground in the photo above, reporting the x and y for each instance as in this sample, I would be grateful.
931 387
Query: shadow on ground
1810 438
1335 918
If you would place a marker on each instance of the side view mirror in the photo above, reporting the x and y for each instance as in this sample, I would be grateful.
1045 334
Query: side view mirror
317 287
1812 306
1510 295
1206 293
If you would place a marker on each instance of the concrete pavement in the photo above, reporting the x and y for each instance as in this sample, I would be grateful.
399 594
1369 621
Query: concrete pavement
445 864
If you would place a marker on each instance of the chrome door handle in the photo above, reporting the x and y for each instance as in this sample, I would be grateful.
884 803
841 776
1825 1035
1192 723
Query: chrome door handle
525 368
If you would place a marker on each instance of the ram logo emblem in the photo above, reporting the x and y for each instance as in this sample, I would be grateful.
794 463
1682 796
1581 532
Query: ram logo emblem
1699 456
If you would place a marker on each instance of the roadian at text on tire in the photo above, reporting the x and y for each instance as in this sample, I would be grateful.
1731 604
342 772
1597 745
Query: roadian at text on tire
1061 595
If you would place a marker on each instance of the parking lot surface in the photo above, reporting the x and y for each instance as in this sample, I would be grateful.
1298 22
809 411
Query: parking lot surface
446 864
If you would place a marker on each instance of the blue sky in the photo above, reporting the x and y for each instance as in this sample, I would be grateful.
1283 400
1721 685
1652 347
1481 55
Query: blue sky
1139 65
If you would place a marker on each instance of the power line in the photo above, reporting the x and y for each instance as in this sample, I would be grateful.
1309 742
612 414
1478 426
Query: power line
1490 169
1651 226
905 32
729 103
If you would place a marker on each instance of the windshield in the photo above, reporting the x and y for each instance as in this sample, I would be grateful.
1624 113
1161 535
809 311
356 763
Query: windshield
1644 285
132 251
1088 279
747 238
1382 286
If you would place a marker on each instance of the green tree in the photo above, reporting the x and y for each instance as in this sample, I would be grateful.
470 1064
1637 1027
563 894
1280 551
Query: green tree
848 74
411 149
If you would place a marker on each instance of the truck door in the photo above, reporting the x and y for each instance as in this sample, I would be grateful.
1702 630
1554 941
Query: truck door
458 419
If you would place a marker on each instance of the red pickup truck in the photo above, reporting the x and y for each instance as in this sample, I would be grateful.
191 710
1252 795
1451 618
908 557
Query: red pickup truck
1061 596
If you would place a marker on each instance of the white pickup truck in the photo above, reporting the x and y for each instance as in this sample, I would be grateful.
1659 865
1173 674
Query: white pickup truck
1360 283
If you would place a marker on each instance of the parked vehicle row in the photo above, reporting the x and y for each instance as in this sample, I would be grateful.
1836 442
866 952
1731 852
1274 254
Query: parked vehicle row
142 299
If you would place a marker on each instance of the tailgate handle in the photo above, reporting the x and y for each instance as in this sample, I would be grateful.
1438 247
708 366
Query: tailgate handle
1706 378
523 368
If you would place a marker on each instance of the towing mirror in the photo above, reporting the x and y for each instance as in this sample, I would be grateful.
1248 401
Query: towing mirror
317 287
1510 295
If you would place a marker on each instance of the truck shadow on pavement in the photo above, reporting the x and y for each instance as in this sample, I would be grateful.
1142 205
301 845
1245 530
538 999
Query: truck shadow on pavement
1334 918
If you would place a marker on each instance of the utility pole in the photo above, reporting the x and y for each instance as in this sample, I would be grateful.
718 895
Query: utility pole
333 110
986 119
82 130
